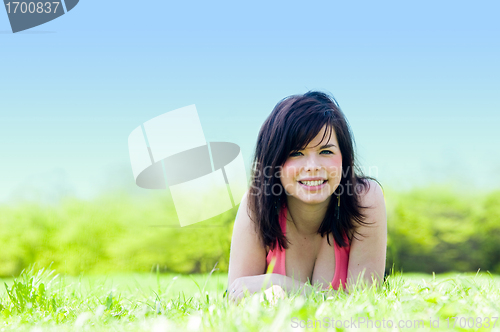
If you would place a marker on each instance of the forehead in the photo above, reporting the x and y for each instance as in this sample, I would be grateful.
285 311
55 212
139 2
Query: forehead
329 138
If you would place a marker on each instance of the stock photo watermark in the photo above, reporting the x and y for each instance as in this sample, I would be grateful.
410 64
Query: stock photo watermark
469 322
265 181
205 179
24 15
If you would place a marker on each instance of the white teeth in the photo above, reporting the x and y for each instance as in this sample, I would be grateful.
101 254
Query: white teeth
312 183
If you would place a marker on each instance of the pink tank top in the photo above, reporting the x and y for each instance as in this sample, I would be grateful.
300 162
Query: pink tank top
341 257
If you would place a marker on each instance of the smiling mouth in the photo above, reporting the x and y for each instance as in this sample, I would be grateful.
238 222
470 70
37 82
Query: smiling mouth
312 183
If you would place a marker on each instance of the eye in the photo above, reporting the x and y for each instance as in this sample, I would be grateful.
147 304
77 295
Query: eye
296 153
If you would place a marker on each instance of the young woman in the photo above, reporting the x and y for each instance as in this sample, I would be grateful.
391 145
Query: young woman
306 203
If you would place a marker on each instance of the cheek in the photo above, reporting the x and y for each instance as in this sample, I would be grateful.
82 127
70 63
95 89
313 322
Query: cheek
334 167
290 170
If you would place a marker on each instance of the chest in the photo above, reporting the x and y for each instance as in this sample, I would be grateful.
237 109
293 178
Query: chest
311 259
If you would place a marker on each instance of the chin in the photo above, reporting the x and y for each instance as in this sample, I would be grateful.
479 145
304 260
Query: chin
312 199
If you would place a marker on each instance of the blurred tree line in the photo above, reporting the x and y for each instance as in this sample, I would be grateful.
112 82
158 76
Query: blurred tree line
437 230
429 229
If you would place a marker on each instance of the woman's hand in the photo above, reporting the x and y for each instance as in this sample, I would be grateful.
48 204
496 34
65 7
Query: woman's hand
273 293
253 284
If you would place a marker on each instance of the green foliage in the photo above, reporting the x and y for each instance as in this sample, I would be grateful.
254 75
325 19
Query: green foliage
111 234
430 230
437 230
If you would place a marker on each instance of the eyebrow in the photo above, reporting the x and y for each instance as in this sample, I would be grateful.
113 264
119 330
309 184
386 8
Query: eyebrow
326 146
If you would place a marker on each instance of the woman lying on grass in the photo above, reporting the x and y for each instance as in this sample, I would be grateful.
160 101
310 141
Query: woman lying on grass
306 201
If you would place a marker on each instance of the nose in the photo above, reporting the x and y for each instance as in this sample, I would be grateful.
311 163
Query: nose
312 164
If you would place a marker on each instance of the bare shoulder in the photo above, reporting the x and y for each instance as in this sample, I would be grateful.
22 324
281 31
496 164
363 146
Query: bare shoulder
372 203
372 196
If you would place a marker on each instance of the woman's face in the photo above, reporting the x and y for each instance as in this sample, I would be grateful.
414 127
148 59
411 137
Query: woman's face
313 174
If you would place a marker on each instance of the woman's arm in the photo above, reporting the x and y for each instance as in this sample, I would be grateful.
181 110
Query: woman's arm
261 282
247 261
291 286
367 255
247 256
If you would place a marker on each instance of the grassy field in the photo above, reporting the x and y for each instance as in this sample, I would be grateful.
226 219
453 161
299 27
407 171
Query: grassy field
167 302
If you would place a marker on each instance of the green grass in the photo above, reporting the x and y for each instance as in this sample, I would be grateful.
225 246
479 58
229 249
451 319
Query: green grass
168 302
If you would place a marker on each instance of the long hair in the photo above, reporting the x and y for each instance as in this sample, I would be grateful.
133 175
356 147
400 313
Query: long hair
293 123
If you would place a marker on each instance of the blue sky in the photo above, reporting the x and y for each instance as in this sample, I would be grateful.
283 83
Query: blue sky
418 82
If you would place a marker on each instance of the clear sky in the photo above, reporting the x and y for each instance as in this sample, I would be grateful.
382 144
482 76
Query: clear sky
418 81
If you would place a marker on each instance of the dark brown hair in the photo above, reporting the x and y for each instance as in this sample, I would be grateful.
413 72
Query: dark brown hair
292 125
